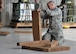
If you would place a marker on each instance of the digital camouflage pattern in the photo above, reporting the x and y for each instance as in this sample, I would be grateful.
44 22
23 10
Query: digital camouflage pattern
55 30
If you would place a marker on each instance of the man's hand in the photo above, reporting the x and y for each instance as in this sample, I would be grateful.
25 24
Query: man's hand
38 9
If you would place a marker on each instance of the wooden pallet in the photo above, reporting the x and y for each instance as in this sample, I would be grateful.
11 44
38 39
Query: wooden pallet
37 26
4 33
43 45
20 24
23 32
46 49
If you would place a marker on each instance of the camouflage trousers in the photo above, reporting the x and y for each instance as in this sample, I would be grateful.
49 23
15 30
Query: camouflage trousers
53 35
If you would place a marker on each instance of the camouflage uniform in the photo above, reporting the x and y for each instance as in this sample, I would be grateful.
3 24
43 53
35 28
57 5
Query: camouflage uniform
55 30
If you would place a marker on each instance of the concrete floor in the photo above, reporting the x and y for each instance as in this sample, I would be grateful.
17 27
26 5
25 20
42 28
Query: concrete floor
8 43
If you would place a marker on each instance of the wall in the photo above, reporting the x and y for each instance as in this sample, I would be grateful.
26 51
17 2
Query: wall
7 11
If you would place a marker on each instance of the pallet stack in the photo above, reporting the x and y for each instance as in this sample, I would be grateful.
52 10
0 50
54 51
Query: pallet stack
20 24
4 33
22 14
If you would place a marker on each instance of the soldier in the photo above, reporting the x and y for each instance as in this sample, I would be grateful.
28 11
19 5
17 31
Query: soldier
55 30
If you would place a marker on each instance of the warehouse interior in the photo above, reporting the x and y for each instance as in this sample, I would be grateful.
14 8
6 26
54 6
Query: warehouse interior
18 25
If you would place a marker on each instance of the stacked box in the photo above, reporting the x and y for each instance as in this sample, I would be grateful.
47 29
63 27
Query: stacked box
23 11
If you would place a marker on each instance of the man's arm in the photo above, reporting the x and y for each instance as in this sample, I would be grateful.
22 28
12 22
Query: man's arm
44 15
54 12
